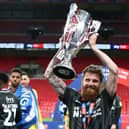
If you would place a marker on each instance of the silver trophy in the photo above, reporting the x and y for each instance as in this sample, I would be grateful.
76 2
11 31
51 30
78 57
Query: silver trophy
79 25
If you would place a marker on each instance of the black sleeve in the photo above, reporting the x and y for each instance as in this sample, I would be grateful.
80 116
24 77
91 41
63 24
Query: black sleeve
107 99
68 96
117 110
117 115
18 113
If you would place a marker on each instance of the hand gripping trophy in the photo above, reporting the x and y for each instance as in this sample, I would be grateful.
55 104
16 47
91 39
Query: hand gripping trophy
79 25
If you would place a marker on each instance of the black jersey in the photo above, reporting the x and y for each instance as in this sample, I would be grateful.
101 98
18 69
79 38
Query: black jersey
83 115
10 112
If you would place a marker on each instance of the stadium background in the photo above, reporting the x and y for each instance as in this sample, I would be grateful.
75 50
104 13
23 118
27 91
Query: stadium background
29 34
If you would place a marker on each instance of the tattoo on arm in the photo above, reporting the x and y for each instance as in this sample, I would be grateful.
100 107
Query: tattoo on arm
58 84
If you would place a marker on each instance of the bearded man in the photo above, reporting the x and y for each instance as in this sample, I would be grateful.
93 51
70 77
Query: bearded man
89 109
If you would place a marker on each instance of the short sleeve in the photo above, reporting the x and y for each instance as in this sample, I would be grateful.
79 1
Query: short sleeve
107 99
69 94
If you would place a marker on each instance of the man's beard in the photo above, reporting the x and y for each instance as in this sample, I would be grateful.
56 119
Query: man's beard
14 85
89 93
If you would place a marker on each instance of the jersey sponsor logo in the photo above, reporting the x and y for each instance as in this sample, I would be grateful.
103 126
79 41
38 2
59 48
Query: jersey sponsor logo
97 103
96 112
9 99
76 112
77 101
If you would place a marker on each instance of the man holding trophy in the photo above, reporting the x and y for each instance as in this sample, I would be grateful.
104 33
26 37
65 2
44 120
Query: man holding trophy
90 108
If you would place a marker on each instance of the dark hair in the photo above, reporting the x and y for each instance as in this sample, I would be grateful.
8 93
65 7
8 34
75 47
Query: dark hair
4 77
93 69
18 70
25 73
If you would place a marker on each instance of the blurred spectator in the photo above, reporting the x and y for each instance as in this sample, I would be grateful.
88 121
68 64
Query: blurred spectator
26 101
25 80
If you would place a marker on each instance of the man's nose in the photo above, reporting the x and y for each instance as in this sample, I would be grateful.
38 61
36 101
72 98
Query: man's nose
91 82
15 78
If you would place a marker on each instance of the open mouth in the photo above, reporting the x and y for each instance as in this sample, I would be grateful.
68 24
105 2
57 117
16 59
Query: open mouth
90 87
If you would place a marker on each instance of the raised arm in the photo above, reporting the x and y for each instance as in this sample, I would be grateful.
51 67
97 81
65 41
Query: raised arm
111 84
56 82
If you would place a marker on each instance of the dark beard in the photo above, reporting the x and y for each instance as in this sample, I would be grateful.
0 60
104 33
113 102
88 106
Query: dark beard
14 85
90 93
